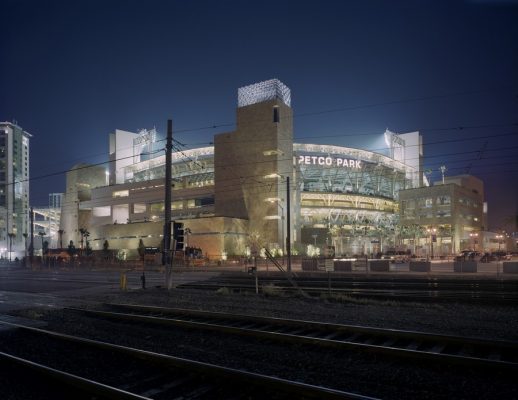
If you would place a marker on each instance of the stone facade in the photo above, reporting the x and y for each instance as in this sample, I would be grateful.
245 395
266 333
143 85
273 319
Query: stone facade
454 209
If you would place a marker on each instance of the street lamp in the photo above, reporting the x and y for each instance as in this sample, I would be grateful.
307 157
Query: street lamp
431 232
315 239
474 236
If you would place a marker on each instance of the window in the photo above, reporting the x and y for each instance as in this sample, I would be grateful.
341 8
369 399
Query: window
139 208
428 202
204 201
156 208
276 117
444 200
121 193
177 205
101 211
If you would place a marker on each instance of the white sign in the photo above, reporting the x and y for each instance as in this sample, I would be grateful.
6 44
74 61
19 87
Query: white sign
330 266
330 161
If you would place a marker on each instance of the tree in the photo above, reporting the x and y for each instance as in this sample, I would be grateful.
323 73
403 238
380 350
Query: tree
84 236
413 232
89 250
45 247
71 250
106 250
255 242
141 249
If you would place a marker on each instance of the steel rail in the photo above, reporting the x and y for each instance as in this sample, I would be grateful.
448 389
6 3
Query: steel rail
77 382
385 294
419 345
231 375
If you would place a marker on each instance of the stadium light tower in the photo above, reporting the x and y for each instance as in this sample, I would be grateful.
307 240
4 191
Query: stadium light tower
442 168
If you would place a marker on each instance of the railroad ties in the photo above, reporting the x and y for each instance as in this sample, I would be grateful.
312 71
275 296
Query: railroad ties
151 374
399 343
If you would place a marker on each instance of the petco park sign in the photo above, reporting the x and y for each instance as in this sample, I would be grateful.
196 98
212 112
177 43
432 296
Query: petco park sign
330 161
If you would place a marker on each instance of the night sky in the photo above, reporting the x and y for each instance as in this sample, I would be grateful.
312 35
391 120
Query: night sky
73 71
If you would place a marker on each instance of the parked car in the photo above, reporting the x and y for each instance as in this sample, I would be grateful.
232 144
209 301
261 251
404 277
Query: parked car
469 255
396 256
501 255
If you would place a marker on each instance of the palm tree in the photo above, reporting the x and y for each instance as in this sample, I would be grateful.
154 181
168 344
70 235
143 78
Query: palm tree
84 234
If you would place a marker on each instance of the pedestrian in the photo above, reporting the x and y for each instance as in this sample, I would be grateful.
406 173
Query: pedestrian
143 280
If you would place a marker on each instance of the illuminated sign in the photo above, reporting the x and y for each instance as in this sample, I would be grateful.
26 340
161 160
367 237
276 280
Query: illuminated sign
330 161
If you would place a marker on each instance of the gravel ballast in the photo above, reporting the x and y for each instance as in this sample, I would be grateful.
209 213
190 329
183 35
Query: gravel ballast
352 371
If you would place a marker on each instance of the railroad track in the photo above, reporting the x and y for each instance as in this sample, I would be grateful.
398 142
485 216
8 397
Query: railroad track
156 375
409 344
412 290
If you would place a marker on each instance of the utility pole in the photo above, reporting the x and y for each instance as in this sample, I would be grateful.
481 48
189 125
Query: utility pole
31 248
167 203
288 222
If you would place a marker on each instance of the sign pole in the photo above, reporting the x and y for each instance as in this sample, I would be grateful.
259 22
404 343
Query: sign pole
329 282
256 278
288 223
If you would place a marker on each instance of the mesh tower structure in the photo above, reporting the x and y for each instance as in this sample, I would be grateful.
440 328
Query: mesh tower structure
264 91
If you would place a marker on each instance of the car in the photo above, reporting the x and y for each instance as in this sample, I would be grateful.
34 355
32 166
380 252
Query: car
501 255
396 256
470 255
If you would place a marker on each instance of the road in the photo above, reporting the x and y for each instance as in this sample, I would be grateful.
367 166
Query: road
55 288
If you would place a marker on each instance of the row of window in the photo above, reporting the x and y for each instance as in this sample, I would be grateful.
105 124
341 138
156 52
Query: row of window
347 204
156 208
439 214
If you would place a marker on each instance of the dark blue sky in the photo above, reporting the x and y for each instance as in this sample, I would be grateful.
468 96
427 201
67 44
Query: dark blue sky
73 71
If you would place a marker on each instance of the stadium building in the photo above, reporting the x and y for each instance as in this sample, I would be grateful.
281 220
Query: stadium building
234 195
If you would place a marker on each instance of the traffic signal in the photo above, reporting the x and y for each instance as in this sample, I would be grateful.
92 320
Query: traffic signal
178 234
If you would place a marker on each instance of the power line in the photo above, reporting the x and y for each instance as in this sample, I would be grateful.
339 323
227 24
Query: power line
240 164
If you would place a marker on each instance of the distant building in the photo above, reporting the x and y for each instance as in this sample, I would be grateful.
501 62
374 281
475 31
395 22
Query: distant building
80 180
449 216
14 188
47 221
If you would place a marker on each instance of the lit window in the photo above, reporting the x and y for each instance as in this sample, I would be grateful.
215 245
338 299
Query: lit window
273 152
101 211
177 205
121 193
139 208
